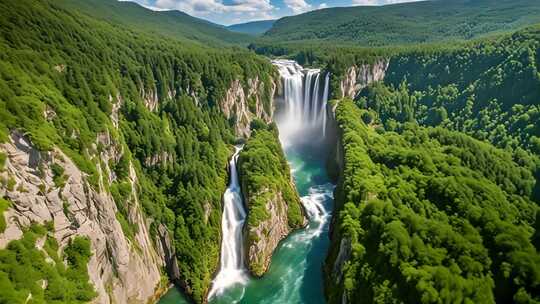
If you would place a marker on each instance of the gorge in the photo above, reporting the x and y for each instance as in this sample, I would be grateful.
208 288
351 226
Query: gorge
295 272
141 150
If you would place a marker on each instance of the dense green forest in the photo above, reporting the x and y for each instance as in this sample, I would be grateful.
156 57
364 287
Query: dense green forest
439 194
488 89
264 172
59 61
407 23
25 269
431 216
169 24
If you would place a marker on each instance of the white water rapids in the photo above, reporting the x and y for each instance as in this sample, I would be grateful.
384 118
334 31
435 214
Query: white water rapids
232 270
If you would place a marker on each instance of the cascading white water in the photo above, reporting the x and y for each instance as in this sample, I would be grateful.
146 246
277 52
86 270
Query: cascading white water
305 98
232 270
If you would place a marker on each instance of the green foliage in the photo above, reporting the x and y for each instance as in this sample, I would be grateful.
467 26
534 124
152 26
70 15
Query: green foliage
171 24
406 23
23 269
4 205
3 158
59 178
64 74
11 182
265 175
433 216
487 89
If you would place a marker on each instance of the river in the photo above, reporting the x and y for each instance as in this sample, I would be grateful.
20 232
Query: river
295 273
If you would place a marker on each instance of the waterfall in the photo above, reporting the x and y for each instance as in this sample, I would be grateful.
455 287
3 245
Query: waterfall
232 270
304 99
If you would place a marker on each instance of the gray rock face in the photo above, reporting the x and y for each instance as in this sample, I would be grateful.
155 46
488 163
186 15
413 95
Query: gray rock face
358 77
263 239
235 104
121 270
343 255
167 253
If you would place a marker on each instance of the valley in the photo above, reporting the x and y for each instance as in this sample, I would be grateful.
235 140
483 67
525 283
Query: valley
357 154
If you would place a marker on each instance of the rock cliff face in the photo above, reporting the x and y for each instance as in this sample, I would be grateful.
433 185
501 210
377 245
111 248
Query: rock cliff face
122 270
358 77
262 240
243 104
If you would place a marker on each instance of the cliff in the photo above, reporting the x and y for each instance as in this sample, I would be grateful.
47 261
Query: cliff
360 76
244 102
121 269
274 208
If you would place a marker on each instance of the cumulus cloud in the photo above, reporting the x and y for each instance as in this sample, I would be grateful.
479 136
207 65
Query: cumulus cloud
298 6
380 2
248 8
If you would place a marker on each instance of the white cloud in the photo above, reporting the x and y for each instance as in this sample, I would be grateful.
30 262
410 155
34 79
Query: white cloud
380 2
298 6
238 8
323 5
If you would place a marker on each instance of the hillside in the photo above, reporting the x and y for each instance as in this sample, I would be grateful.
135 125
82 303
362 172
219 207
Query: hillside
439 174
120 138
174 24
429 215
254 28
407 23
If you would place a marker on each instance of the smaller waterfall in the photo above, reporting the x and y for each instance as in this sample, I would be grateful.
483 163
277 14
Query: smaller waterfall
305 98
232 270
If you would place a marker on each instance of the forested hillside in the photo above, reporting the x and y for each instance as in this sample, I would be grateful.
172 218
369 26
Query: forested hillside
489 89
408 23
171 24
426 212
67 80
429 215
254 28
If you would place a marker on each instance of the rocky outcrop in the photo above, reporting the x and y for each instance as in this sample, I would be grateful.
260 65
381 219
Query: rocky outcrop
263 239
166 251
358 77
243 104
115 109
122 270
150 99
344 254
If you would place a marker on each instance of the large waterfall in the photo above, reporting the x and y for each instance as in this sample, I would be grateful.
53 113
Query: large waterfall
302 115
232 270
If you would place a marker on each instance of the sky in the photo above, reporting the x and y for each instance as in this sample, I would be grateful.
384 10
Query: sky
238 11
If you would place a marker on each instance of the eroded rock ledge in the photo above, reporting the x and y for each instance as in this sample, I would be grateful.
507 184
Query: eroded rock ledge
122 270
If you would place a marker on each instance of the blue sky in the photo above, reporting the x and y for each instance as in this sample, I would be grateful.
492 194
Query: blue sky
238 11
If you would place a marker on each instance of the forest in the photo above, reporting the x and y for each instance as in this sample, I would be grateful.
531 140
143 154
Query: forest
438 199
431 216
85 72
405 23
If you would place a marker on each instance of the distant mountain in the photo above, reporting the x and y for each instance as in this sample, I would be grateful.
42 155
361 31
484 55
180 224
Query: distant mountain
407 23
255 28
174 24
